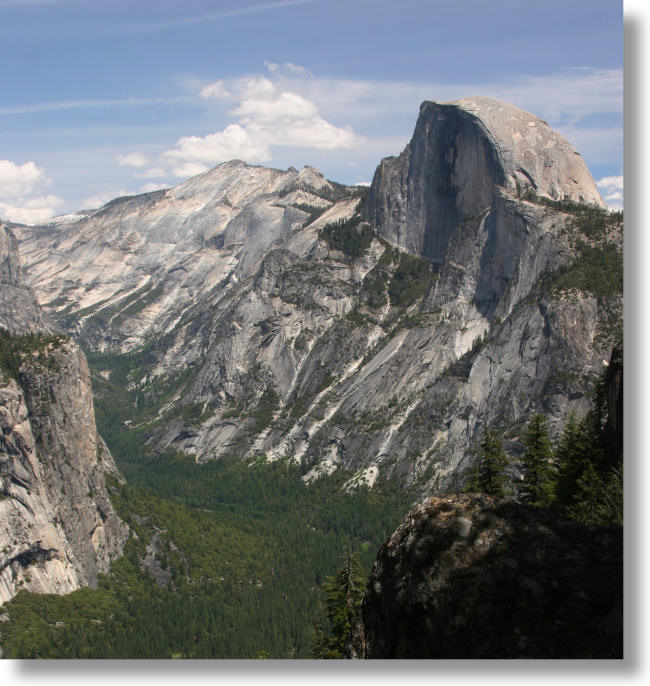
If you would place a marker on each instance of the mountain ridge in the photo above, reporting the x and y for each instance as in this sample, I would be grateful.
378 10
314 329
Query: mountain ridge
283 316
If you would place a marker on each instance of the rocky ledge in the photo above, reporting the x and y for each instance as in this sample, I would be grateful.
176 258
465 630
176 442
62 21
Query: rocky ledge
470 576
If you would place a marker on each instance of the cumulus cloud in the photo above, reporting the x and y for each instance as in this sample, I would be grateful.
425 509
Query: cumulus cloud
16 180
132 159
235 141
265 117
21 193
611 188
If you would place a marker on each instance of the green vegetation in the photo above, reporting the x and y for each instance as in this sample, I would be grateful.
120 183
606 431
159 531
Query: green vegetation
488 475
411 279
30 348
537 487
238 546
343 593
582 478
266 407
351 236
589 485
597 269
375 284
591 221
120 398
312 212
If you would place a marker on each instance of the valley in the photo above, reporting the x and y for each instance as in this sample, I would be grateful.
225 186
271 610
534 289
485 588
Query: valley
282 366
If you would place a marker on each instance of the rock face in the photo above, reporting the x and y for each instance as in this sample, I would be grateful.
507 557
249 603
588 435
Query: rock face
478 577
58 529
19 310
254 327
458 154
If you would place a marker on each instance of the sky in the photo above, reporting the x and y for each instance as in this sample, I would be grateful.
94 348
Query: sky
103 98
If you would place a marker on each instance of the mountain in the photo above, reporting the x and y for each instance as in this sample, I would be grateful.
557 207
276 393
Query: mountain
58 527
252 312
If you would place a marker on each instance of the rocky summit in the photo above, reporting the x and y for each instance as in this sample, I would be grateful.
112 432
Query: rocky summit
472 576
252 312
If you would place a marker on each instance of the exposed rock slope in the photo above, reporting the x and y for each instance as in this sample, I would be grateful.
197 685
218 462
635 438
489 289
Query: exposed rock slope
478 577
141 261
264 319
58 529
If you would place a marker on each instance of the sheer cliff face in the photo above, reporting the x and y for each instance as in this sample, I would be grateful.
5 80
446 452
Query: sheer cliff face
458 156
58 529
256 334
19 310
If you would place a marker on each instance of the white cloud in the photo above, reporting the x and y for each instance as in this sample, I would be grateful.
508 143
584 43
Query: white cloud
278 108
132 159
256 86
611 188
234 141
215 90
266 117
32 211
21 198
19 180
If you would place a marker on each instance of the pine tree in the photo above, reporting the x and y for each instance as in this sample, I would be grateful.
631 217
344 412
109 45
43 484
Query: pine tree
572 456
588 494
610 503
539 473
344 593
489 471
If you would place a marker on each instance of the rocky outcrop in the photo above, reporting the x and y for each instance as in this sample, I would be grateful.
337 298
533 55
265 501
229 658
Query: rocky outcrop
472 576
19 310
58 528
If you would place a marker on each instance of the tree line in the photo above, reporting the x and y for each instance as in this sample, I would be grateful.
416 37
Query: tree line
582 477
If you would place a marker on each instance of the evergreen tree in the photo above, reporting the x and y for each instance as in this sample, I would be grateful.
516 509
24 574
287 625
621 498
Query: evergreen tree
539 472
610 505
489 470
344 593
572 456
588 494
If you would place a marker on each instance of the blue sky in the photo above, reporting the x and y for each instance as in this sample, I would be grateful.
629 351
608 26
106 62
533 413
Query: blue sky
101 98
